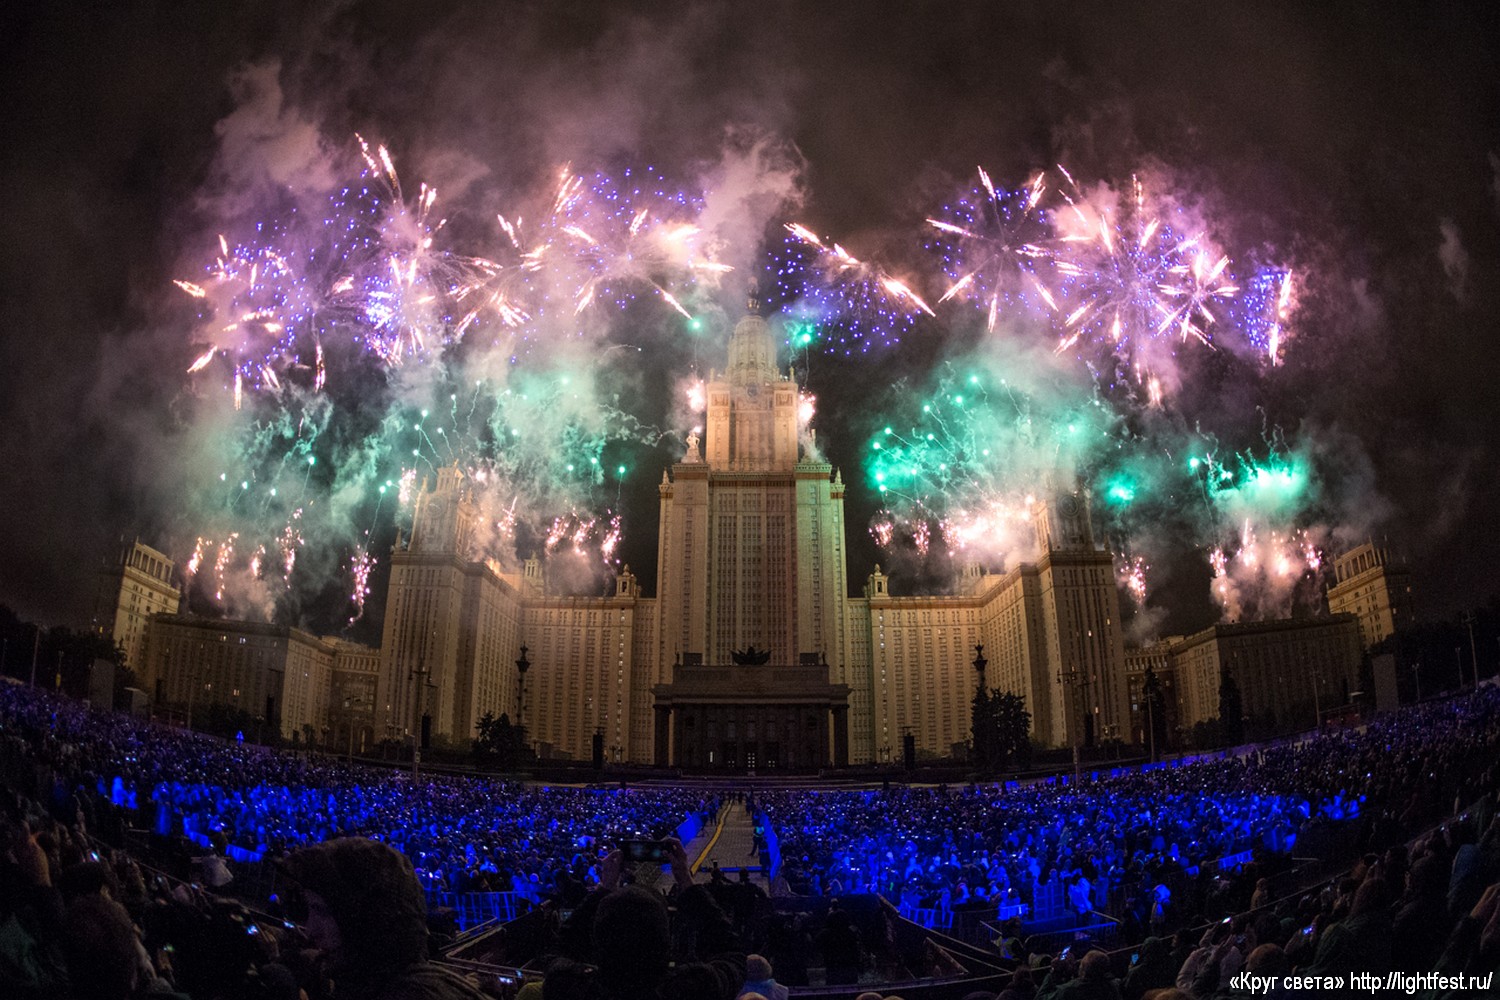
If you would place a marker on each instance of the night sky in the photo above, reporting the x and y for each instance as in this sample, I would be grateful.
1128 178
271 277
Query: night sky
1354 145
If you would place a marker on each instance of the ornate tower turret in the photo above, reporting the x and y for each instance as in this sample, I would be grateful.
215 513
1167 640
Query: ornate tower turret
752 410
752 349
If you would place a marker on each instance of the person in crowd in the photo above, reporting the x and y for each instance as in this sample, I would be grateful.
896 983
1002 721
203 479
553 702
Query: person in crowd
1020 987
1151 968
1087 978
366 912
759 979
1362 941
32 920
839 943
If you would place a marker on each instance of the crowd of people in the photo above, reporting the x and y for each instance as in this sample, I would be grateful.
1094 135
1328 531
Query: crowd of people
354 848
1141 832
463 834
1422 910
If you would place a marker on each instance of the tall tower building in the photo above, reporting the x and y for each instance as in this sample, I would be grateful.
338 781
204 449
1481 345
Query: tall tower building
451 623
751 550
1373 587
752 653
1086 695
141 584
752 537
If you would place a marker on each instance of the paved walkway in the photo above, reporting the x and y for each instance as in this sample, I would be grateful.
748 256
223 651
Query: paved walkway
731 843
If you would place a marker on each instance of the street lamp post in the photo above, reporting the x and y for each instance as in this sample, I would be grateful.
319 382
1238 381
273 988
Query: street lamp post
1067 679
419 688
1150 689
522 665
984 755
349 704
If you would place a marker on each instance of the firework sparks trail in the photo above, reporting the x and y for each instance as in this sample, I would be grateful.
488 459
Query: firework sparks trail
222 563
512 284
1133 285
1131 573
618 237
974 467
407 290
993 244
1266 311
873 305
289 543
360 566
253 304
1196 285
1267 550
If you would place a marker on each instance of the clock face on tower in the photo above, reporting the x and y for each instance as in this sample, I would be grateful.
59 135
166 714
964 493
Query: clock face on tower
1068 505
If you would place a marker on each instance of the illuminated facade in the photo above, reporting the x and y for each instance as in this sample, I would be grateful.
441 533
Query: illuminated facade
1374 588
282 676
1287 670
1157 659
751 553
142 584
1050 630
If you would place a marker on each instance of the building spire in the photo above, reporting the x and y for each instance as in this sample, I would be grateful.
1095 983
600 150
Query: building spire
752 348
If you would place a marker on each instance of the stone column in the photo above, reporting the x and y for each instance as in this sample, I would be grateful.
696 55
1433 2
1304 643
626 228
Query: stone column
663 735
824 758
841 736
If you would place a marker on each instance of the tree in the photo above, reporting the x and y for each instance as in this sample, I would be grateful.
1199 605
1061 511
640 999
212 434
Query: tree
984 728
500 744
1156 713
1014 725
1231 711
1001 730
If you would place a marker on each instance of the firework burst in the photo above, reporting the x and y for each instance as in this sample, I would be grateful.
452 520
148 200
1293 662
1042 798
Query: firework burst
406 291
1266 310
993 244
615 238
972 468
253 304
860 298
1133 285
1130 572
369 307
1268 552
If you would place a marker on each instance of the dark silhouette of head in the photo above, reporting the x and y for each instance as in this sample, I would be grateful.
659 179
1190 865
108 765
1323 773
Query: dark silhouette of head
372 894
632 941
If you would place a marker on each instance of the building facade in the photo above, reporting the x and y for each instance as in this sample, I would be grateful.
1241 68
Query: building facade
143 583
1375 588
1154 660
1288 670
751 553
287 680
